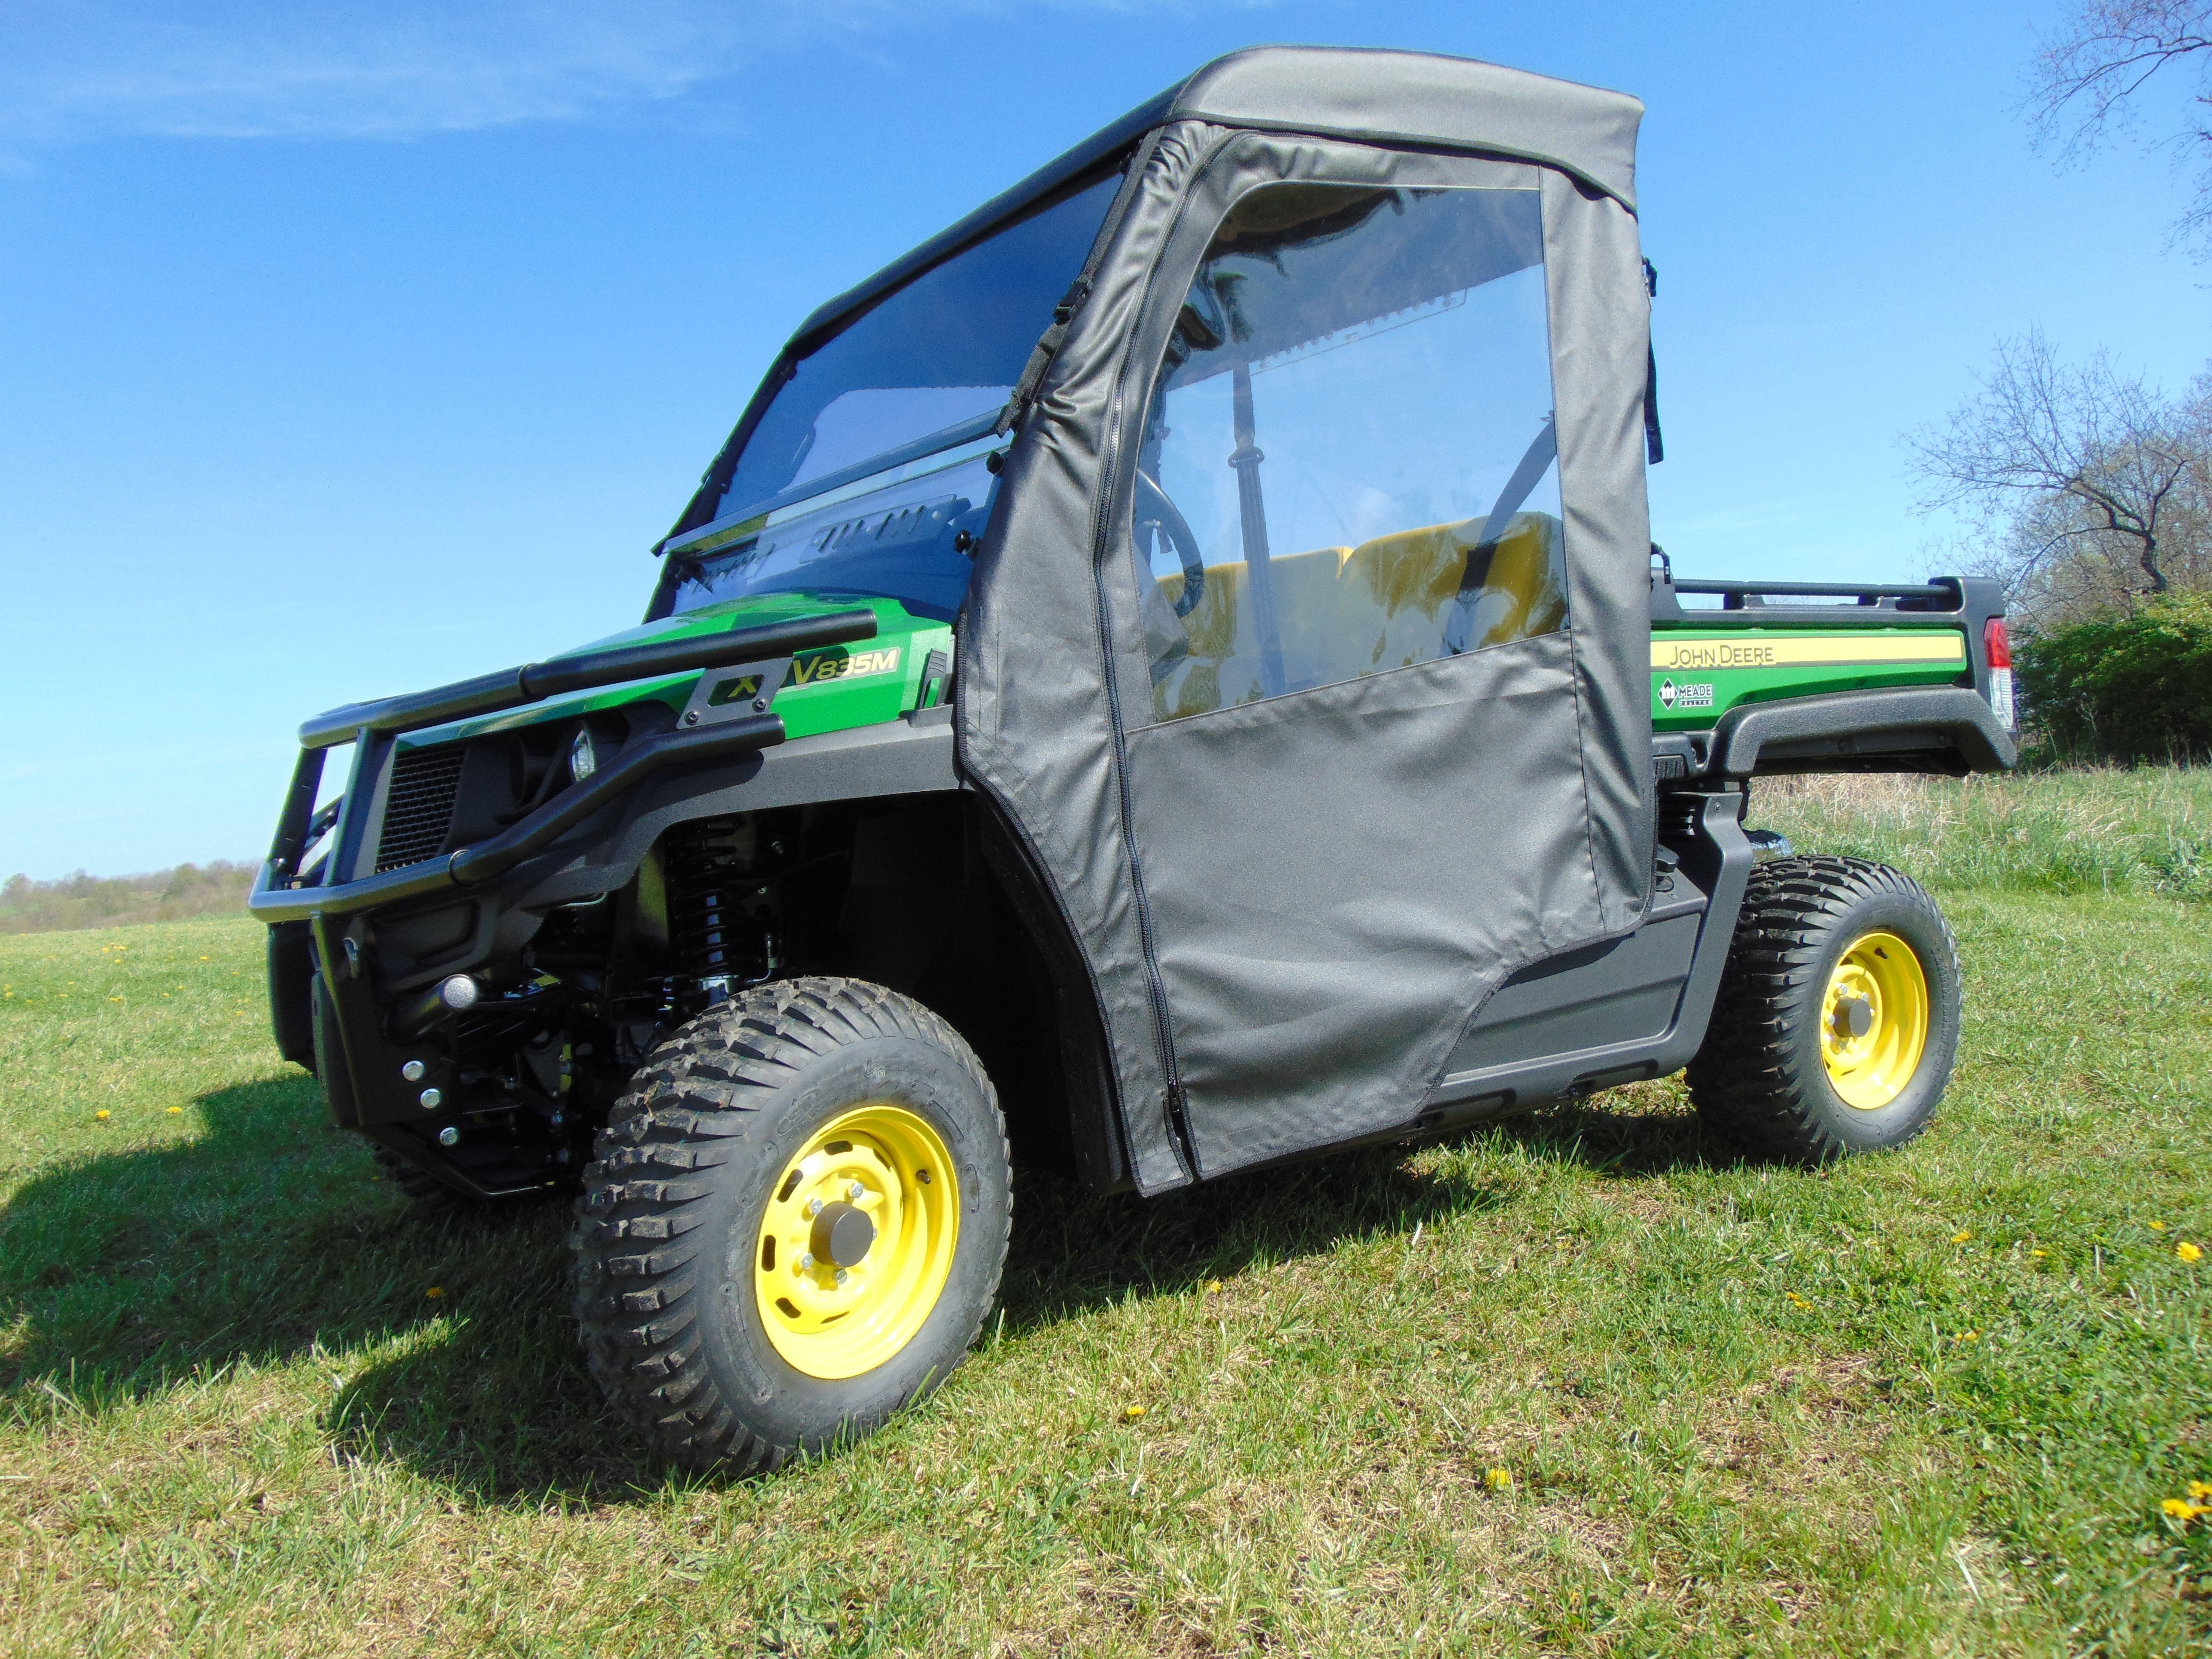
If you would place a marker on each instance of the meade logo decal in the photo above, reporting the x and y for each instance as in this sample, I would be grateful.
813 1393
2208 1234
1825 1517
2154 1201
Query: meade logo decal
1672 695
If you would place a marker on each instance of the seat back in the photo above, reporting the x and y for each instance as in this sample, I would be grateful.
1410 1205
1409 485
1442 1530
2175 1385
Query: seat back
1344 611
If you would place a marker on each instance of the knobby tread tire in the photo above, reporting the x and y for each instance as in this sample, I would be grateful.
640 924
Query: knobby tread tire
640 1276
1758 1078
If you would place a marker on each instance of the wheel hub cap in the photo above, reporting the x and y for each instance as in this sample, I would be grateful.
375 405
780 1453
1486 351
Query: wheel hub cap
1875 1018
842 1233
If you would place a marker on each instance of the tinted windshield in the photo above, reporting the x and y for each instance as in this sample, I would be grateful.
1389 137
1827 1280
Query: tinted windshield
943 350
906 535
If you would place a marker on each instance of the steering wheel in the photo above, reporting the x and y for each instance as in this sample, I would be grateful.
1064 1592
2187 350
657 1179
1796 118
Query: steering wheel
1156 511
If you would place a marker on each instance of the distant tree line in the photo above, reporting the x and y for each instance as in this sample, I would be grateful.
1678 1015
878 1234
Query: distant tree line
218 888
2089 491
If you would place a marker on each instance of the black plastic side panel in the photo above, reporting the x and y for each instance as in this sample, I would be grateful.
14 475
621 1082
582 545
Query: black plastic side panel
291 1001
1085 1076
911 755
329 1051
1622 992
1716 858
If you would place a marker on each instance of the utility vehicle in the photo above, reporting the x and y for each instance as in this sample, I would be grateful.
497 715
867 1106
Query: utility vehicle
1172 674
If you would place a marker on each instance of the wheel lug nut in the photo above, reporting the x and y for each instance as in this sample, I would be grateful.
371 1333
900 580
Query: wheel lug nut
853 1189
841 1275
814 1207
806 1262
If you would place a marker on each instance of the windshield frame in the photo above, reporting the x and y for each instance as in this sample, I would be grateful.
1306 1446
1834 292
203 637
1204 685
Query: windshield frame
688 557
1071 175
857 479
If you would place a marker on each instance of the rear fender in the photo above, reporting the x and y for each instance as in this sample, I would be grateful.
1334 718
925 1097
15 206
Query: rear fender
1937 728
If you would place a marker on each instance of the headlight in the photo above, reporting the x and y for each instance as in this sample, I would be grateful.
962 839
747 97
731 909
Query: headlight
583 758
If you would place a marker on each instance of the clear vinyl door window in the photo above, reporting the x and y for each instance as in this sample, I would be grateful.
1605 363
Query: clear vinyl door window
1347 464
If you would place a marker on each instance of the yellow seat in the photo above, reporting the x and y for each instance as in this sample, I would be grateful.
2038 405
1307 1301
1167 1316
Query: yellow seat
1344 611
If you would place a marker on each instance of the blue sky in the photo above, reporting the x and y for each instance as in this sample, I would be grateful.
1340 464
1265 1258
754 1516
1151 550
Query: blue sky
349 349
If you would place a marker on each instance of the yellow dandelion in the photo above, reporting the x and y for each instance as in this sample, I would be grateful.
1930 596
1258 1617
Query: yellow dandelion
1960 1238
1968 1336
2188 1252
115 999
1131 1414
101 1114
435 1291
2038 1253
1795 1300
176 1111
1498 1479
2180 1508
2158 1226
1213 1287
2200 1490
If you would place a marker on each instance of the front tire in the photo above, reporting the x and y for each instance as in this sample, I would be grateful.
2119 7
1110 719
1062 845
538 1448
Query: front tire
1837 1021
794 1224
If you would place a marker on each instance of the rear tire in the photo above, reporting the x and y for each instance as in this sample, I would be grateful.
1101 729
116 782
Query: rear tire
1837 1021
704 1311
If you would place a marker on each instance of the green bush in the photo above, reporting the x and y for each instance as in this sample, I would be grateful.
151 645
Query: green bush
2125 688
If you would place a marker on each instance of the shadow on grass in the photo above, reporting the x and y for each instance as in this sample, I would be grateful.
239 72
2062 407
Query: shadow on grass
268 1239
1072 1252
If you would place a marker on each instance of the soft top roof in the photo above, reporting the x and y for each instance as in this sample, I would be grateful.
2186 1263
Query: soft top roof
1404 97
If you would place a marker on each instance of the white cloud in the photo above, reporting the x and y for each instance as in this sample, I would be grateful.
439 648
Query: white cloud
81 68
396 69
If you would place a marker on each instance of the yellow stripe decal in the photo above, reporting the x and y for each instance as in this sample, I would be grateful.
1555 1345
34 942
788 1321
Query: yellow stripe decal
1935 646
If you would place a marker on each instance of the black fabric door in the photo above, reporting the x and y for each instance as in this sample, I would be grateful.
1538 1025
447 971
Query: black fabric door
1359 795
1361 728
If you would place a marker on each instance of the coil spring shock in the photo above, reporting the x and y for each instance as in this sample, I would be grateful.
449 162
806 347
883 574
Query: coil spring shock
717 941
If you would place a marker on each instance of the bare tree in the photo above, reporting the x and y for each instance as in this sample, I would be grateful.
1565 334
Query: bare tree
2089 488
2087 78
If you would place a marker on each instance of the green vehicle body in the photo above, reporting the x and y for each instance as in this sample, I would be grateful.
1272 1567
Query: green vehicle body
824 694
1718 671
832 689
1698 675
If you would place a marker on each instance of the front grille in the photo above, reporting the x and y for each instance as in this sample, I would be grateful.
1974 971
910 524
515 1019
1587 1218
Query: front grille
418 810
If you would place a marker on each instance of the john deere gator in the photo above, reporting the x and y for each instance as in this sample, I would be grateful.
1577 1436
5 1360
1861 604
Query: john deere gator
1172 674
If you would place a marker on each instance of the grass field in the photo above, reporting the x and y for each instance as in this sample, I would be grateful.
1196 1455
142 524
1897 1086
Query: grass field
1581 1383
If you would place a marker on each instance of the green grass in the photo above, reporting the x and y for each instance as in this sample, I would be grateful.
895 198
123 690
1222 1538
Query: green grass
1742 1409
2110 830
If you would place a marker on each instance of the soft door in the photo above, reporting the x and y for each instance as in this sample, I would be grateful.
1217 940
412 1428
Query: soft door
1352 715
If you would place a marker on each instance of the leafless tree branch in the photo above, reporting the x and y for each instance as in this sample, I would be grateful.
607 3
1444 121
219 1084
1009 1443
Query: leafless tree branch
2086 79
2089 490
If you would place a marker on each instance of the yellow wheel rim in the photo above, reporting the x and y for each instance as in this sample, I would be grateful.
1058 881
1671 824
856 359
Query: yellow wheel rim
1873 1021
857 1240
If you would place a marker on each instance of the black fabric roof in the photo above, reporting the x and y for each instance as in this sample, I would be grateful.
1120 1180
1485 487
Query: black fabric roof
1394 97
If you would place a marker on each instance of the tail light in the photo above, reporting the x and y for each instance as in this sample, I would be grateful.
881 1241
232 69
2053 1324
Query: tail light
1996 646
